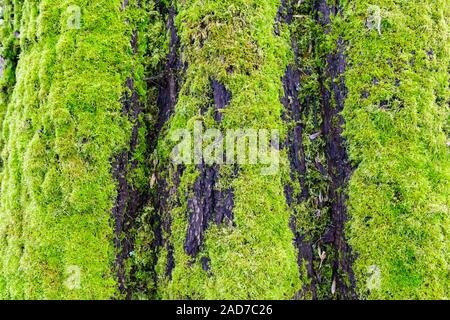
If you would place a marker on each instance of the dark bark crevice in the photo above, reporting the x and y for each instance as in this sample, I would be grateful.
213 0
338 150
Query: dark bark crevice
335 172
201 207
340 170
285 14
208 203
292 116
171 81
298 172
222 98
166 198
168 178
339 167
130 200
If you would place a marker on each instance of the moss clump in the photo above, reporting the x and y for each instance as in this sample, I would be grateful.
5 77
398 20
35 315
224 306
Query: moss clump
396 122
63 125
10 12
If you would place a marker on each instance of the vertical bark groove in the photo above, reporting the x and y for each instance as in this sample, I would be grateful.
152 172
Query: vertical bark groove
208 203
336 172
170 84
296 155
167 99
339 168
129 199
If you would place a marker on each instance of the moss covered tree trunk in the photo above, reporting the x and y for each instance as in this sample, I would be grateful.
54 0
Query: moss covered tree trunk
351 202
70 127
224 229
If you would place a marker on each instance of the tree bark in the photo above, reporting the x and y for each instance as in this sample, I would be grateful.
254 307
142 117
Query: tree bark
352 99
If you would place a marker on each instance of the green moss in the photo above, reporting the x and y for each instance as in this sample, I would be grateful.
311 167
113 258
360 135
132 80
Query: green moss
234 42
9 50
65 116
396 124
63 123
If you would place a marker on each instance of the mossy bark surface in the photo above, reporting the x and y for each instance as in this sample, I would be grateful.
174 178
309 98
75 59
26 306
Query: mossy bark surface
396 115
92 205
226 233
64 123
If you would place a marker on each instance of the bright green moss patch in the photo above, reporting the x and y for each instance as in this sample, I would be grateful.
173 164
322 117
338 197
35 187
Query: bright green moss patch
396 112
10 13
63 125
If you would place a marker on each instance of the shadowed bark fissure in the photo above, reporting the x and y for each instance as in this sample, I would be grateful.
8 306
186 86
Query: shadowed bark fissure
296 155
130 200
166 195
294 144
284 15
166 199
208 203
336 172
170 84
339 167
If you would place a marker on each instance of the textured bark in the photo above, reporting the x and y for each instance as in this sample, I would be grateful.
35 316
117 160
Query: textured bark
357 208
208 203
339 168
166 199
170 84
296 155
129 199
294 115
167 193
205 210
336 173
